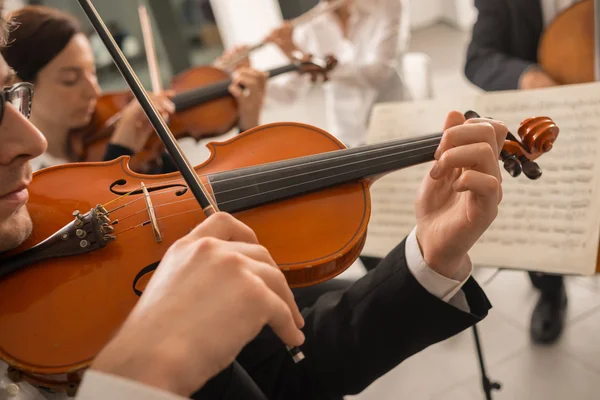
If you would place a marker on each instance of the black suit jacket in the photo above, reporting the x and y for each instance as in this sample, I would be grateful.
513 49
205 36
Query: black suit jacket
504 43
353 337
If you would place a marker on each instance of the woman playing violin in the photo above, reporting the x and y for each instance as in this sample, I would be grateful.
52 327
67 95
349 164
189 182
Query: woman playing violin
50 50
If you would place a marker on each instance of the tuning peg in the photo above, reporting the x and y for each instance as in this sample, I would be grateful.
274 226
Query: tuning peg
109 238
531 169
107 229
78 218
512 165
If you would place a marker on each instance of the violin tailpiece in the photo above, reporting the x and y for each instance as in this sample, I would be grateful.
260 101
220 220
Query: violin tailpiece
86 233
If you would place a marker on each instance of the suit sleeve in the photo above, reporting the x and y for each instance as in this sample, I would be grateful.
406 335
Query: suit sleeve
356 335
489 64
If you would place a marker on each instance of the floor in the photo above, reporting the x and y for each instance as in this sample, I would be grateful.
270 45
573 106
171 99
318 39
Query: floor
569 369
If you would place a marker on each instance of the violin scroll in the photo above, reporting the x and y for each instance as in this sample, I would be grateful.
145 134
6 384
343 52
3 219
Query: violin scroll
315 66
537 135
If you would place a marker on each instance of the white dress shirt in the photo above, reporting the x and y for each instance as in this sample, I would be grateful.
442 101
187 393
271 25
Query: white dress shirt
551 8
368 69
100 386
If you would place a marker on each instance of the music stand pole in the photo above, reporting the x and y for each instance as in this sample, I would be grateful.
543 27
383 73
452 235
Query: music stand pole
487 384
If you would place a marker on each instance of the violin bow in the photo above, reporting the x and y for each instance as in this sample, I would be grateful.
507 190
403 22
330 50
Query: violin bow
190 176
150 49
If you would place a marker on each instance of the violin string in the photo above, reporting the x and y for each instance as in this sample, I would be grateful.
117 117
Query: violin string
429 139
425 148
118 198
415 153
155 207
166 191
322 169
433 139
149 222
311 181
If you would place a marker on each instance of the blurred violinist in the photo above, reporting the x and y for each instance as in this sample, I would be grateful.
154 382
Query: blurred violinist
49 49
502 55
364 36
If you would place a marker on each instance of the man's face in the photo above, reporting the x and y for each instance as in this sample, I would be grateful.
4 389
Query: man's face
20 141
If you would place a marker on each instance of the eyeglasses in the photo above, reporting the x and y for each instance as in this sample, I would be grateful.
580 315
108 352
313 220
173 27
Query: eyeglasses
20 96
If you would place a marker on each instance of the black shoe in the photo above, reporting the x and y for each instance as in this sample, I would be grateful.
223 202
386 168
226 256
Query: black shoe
548 318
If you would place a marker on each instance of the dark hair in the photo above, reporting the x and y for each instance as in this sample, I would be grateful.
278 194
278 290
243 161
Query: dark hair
37 35
3 25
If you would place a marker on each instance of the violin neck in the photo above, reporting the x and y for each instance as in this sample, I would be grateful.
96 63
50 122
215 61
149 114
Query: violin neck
251 187
195 97
282 70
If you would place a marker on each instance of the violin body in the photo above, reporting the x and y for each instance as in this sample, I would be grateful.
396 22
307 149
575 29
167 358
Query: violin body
566 49
209 118
57 315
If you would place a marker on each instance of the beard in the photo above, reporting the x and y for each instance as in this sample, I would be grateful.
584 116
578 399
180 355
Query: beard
15 225
15 230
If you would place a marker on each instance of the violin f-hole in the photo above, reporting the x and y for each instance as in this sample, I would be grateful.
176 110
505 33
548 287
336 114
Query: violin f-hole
140 190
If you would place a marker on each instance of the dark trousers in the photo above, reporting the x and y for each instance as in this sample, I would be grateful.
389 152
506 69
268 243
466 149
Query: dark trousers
548 284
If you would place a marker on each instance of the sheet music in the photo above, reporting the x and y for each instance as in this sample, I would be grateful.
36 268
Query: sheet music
550 225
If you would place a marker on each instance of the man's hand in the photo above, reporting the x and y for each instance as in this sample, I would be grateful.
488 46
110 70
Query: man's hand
248 88
536 78
458 200
213 292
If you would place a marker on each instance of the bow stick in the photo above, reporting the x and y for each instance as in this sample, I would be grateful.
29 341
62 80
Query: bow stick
150 49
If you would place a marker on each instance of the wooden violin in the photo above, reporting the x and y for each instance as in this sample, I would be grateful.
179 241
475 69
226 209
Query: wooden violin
566 49
66 291
204 108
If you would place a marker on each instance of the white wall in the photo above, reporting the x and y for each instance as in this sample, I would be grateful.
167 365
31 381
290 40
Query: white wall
248 22
460 13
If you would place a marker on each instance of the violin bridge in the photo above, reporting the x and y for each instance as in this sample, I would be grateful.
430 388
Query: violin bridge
152 215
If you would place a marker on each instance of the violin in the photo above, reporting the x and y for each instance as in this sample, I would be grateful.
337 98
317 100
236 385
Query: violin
204 108
566 49
66 291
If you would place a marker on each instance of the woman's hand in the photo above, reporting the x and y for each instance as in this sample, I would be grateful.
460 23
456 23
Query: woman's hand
248 88
226 59
283 38
134 129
